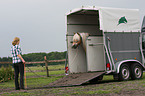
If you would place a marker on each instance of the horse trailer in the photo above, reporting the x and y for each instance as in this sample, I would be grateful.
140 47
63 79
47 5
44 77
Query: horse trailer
113 44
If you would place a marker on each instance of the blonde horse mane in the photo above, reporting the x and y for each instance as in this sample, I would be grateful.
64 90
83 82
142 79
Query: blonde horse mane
79 38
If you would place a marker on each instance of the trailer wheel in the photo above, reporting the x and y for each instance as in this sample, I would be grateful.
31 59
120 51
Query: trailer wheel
136 71
124 73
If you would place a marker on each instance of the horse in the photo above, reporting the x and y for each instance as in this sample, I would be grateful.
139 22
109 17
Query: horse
78 39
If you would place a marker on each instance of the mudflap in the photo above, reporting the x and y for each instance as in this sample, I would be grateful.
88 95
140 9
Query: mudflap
76 79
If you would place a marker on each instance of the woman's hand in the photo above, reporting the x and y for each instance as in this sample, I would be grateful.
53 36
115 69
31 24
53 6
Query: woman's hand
21 58
23 61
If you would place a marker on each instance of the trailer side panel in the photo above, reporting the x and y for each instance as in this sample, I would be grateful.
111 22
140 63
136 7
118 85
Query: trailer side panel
124 46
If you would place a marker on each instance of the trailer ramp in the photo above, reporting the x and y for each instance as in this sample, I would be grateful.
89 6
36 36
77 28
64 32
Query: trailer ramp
76 79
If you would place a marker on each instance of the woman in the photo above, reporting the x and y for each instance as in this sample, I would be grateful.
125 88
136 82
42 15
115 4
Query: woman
18 63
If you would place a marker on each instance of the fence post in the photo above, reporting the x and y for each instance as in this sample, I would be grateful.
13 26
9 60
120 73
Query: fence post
46 64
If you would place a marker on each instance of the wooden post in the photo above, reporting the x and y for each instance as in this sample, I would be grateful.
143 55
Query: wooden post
46 64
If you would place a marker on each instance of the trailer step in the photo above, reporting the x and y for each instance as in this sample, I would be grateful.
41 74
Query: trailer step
76 79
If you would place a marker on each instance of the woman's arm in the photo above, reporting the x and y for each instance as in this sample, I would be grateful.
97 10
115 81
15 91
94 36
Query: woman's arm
21 58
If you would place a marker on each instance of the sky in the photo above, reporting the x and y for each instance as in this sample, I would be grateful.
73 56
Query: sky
40 24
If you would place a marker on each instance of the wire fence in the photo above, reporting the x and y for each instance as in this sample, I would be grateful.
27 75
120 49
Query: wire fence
43 70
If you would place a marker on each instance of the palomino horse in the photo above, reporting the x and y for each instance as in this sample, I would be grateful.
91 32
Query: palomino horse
80 38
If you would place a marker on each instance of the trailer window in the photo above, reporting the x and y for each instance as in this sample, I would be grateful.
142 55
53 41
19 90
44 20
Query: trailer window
143 40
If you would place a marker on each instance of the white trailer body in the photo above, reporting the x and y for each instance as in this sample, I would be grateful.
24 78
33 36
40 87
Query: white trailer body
114 43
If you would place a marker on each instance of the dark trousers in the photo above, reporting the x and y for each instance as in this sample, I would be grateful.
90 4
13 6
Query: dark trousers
19 68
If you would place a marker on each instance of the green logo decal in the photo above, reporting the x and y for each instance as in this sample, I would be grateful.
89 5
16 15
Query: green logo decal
122 20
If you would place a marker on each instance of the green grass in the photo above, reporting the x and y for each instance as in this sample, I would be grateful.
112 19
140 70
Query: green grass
99 89
91 92
44 68
44 73
108 77
9 84
32 82
37 81
107 86
41 81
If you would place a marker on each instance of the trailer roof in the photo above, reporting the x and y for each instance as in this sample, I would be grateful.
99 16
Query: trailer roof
113 19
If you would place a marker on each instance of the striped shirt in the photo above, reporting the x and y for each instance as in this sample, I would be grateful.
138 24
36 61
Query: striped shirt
16 50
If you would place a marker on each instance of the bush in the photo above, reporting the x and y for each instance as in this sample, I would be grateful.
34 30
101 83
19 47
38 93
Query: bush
6 73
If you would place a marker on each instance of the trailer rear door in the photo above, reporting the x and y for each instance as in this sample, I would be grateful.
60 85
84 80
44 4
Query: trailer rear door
95 53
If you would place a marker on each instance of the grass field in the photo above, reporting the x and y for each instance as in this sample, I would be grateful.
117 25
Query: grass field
43 73
44 68
106 87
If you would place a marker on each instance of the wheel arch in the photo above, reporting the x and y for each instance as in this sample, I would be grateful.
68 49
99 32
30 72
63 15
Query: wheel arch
129 62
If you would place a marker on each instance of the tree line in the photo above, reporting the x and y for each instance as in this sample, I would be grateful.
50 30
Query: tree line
31 57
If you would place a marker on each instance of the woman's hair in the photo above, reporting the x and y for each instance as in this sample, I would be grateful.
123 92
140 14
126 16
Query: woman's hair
14 42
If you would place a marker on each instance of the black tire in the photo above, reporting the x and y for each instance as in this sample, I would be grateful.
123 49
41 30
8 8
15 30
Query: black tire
124 73
136 71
